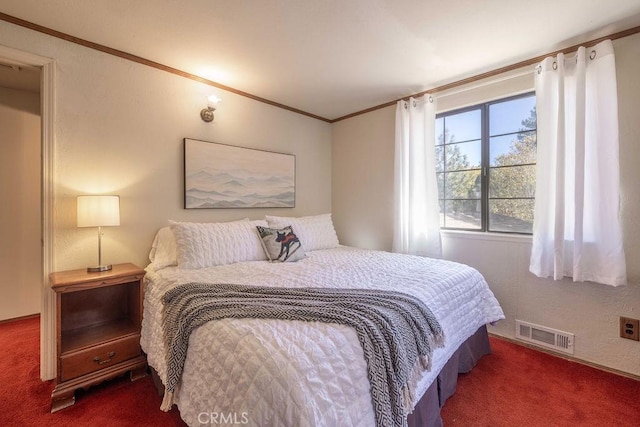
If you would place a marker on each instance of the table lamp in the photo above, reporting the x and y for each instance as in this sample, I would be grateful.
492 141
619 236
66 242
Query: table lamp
98 211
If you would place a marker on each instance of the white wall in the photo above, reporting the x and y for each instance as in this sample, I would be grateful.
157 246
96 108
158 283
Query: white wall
119 130
20 247
362 161
363 213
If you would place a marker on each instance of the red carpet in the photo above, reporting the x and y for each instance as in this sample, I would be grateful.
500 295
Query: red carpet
26 401
517 386
514 386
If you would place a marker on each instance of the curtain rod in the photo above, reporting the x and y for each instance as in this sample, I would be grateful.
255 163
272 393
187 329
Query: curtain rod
125 55
457 90
454 91
497 71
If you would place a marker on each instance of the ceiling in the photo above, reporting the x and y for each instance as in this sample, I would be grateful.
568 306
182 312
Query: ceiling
332 57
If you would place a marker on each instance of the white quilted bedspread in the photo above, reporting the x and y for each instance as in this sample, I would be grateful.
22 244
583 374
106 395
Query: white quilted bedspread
292 373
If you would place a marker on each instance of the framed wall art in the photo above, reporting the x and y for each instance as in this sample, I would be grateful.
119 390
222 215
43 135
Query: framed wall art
226 176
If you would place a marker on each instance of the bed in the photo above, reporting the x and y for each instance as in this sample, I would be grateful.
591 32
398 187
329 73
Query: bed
293 373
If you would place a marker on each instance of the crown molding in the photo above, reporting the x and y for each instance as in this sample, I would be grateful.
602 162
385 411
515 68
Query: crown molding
149 63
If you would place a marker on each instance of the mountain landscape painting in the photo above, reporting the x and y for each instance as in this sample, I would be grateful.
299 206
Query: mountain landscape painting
225 176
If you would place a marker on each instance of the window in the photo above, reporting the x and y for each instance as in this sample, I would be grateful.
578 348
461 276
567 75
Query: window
486 166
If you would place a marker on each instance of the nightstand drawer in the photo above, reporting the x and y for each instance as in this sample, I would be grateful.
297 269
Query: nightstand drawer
98 357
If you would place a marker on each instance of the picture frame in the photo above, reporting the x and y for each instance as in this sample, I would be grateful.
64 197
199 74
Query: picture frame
220 176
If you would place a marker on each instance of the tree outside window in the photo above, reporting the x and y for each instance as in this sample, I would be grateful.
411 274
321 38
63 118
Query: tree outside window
485 166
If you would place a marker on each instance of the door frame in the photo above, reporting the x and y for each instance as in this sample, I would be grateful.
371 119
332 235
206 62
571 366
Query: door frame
47 201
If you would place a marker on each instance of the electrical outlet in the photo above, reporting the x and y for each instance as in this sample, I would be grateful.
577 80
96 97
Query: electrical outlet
629 328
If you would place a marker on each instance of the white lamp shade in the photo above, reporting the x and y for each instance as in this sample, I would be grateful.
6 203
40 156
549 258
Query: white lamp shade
98 211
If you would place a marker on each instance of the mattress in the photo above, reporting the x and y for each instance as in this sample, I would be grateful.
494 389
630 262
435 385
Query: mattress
275 372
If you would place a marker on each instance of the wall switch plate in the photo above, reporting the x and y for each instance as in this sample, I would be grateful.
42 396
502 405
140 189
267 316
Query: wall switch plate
629 328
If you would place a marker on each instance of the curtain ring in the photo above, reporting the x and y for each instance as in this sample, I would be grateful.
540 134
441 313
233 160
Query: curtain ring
592 55
539 68
555 65
405 104
430 99
414 103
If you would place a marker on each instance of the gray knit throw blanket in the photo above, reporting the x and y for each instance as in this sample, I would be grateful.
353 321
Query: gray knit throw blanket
397 331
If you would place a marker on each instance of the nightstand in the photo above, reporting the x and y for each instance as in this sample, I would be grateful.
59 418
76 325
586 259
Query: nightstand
99 316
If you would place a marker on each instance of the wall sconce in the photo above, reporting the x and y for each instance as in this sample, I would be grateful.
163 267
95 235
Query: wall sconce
98 211
207 113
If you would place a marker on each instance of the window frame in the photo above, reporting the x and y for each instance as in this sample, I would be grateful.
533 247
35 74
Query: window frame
485 162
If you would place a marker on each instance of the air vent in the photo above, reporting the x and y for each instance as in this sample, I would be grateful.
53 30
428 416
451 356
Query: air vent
545 337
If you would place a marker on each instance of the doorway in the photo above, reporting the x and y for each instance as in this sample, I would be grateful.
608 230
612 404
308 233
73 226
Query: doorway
20 190
47 146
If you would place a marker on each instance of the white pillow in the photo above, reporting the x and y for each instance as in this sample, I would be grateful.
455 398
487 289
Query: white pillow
200 245
315 232
163 249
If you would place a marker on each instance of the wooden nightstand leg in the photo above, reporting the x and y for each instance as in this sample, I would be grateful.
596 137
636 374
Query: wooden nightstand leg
62 398
138 373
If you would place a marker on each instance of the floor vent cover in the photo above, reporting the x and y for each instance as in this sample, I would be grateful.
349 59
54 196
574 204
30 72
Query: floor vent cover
545 337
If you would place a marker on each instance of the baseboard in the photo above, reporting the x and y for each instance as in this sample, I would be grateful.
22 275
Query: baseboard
566 357
15 319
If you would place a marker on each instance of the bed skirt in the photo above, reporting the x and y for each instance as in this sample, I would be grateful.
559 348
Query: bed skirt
427 411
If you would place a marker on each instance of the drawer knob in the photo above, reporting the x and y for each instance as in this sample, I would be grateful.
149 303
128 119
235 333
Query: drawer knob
102 362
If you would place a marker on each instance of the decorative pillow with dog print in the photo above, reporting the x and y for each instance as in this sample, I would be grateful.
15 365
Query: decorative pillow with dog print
317 231
280 245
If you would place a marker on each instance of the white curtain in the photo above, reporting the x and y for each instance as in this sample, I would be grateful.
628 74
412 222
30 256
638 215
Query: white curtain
576 230
417 223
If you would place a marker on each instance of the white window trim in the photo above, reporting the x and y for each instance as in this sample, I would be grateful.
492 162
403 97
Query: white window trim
486 235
